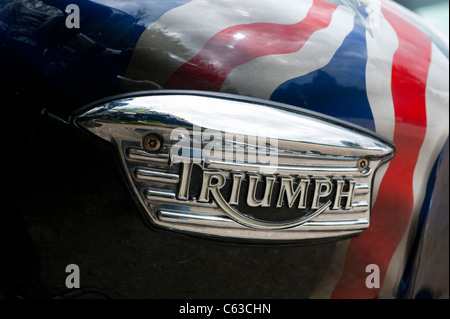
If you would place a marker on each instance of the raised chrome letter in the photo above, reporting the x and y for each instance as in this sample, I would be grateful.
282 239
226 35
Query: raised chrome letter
287 186
348 195
251 196
319 192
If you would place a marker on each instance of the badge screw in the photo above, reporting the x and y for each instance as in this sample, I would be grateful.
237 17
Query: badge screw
363 164
152 142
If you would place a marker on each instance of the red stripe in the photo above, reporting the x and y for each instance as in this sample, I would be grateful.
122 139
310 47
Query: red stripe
240 44
392 211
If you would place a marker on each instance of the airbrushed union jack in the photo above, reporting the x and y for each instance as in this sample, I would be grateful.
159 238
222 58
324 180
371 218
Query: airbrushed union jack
312 127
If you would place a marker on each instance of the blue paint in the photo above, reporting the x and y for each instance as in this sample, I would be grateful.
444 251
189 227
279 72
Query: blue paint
64 68
118 22
407 282
339 88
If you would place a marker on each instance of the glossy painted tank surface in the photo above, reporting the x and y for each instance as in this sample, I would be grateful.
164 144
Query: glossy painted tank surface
372 63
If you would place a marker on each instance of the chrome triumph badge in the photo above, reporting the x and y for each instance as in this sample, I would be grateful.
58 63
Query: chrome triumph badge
241 168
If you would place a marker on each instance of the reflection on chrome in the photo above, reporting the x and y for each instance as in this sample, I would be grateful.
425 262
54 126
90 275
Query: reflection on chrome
241 168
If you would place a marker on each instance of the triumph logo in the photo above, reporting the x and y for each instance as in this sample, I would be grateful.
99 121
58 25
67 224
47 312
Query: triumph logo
240 168
289 201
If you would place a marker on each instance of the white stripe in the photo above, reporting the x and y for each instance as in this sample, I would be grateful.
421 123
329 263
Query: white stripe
182 32
437 102
315 54
380 53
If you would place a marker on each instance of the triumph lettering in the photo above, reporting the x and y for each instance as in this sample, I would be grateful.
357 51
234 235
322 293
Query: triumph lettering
287 187
234 190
